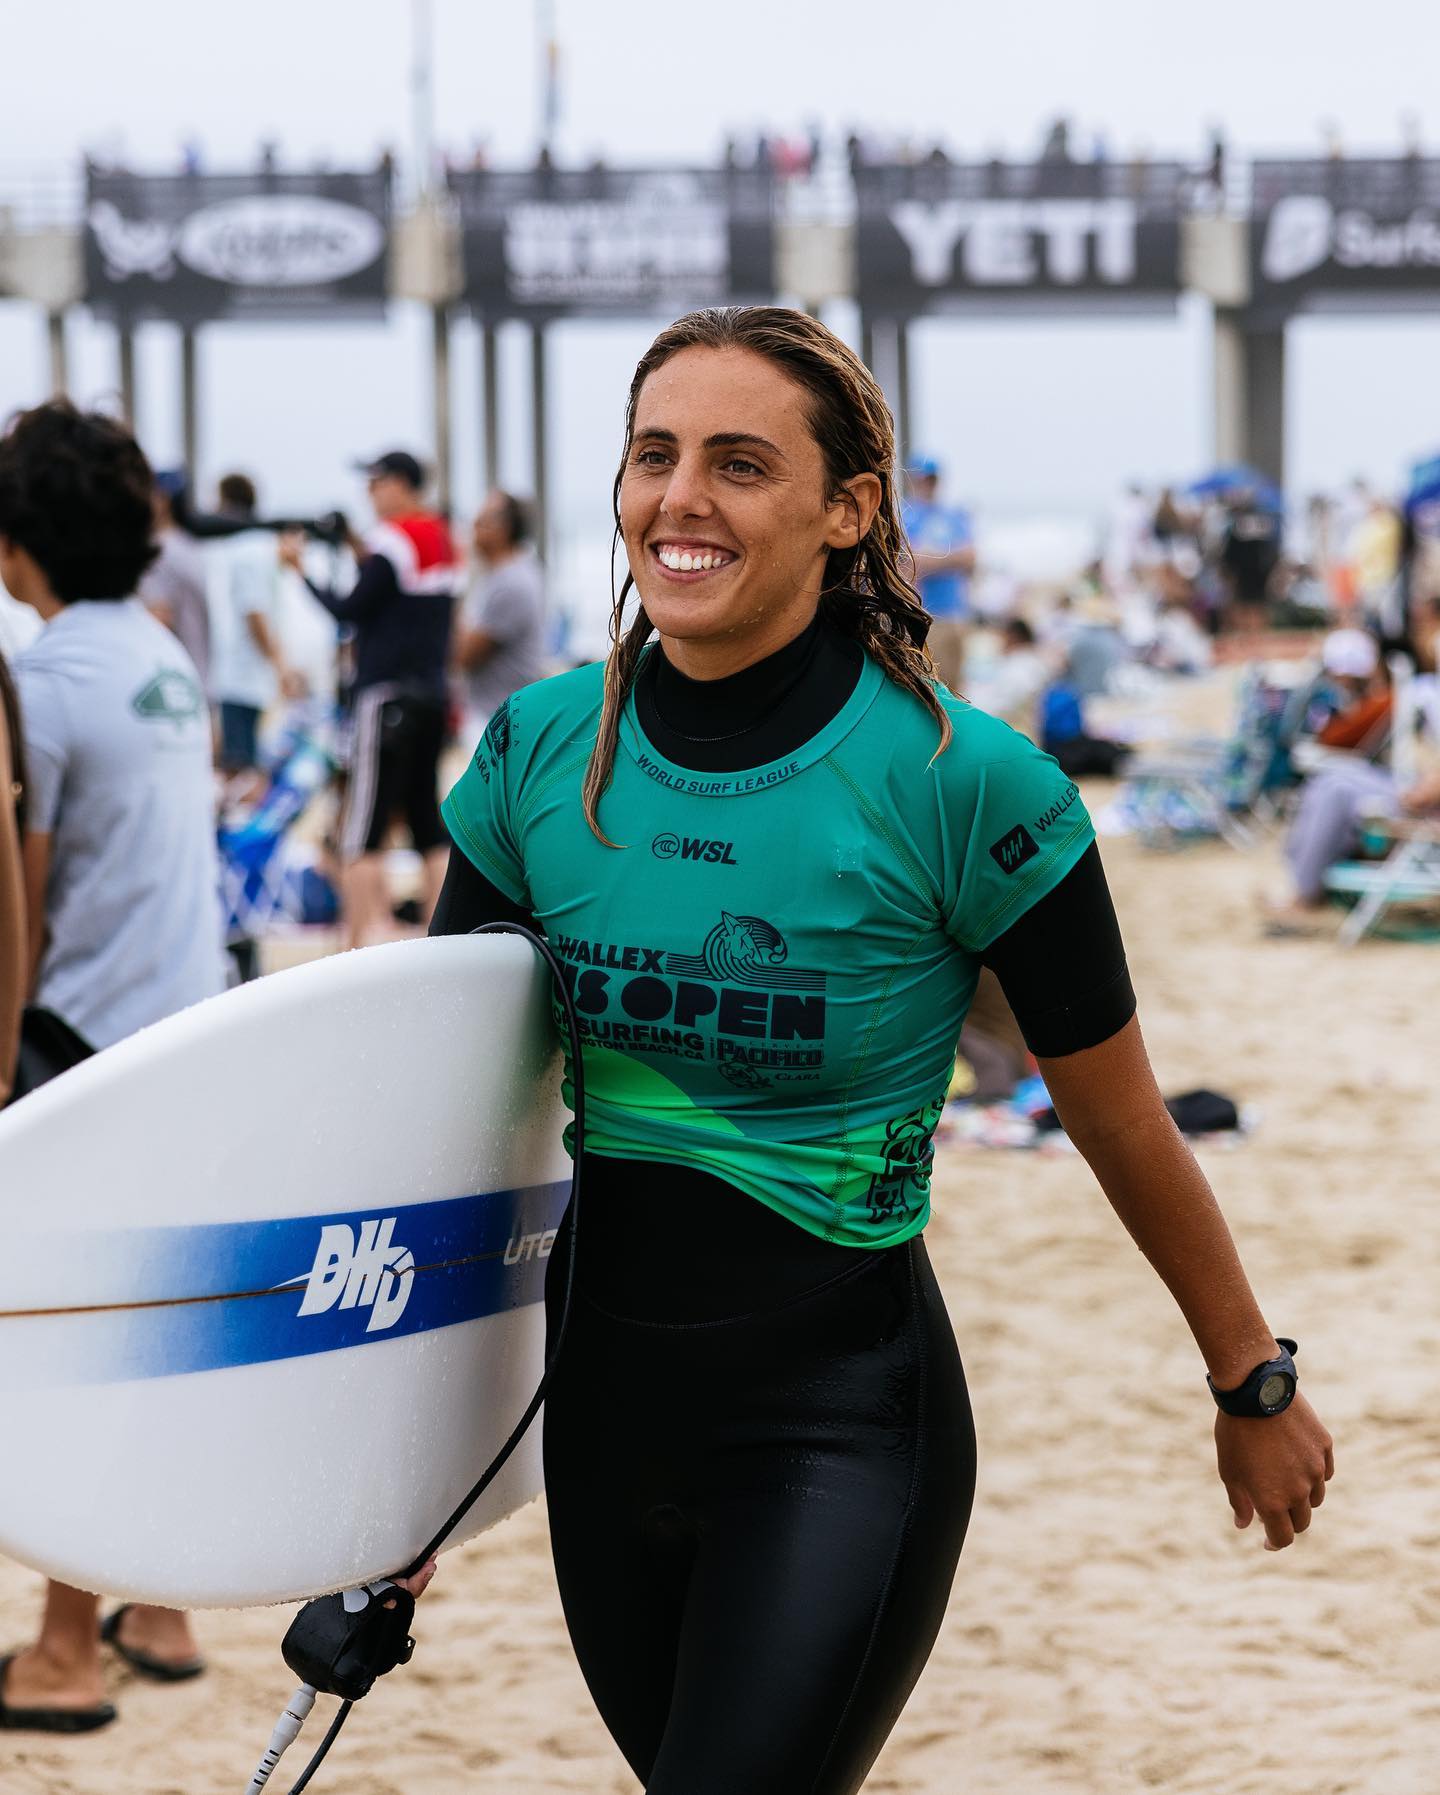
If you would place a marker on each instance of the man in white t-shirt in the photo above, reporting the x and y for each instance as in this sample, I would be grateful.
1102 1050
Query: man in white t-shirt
248 669
120 873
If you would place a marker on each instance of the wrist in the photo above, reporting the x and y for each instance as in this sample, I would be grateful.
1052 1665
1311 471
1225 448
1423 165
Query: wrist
1229 1366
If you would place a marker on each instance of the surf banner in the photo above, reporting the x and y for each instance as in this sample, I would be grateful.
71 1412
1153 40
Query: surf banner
941 235
193 248
1324 231
548 243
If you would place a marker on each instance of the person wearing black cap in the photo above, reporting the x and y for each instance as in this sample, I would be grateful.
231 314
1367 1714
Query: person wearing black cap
400 611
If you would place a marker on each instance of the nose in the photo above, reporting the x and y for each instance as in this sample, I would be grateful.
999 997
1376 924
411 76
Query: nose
687 491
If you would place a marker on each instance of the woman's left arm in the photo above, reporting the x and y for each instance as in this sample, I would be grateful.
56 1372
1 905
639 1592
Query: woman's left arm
1107 1099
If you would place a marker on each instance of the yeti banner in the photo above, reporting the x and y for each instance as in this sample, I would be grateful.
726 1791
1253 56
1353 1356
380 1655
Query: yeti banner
1321 230
546 243
942 234
194 248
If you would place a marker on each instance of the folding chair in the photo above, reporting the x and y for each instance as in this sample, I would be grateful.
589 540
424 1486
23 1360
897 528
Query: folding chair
1409 874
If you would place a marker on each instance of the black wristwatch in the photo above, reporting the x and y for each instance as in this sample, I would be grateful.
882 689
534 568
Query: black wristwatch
1269 1389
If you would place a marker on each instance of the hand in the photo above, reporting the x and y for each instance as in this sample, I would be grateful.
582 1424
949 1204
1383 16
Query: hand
420 1582
1275 1466
293 684
290 546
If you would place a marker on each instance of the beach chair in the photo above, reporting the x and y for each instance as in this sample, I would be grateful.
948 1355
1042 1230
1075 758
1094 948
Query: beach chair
1409 874
1223 787
262 881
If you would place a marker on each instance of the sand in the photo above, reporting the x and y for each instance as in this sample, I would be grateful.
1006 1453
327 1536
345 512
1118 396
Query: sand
1110 1630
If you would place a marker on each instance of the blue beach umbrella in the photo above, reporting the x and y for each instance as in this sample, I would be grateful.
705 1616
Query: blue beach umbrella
1235 476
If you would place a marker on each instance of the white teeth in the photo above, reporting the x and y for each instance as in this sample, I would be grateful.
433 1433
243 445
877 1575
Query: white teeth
683 561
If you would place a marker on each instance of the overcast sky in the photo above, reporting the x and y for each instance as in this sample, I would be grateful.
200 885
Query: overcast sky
1032 416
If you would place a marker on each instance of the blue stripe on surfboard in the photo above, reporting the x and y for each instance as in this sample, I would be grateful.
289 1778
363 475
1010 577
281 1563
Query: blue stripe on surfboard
282 1289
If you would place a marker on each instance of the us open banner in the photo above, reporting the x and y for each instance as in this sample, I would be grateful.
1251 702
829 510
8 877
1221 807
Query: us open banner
547 243
937 235
267 246
1326 229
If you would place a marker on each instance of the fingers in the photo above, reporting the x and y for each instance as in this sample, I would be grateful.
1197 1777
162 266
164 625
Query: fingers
1241 1503
1329 1461
1279 1531
1300 1516
1317 1492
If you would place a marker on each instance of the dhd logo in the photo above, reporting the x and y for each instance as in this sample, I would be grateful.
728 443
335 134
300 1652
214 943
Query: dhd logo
368 1273
1012 851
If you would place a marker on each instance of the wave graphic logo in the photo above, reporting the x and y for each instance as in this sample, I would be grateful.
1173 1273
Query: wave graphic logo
741 945
365 1272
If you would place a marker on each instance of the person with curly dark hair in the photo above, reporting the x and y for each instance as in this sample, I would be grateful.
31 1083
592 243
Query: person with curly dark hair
13 964
119 870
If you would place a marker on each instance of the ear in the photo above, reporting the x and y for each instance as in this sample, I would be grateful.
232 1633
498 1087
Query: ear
850 517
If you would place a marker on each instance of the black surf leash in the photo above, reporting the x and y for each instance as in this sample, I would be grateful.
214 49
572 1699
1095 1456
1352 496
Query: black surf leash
339 1644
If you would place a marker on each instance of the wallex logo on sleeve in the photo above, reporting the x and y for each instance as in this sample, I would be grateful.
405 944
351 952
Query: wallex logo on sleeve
1012 851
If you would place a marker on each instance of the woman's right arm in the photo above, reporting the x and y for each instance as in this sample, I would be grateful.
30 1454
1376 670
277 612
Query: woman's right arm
467 899
14 942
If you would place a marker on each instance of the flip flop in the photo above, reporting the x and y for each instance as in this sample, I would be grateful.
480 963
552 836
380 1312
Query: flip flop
50 1720
161 1669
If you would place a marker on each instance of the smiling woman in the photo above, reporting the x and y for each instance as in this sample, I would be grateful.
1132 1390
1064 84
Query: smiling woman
772 854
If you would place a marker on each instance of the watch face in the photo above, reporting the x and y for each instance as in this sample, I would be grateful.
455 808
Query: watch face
1274 1390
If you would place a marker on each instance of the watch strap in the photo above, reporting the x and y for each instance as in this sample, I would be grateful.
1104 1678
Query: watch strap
1244 1399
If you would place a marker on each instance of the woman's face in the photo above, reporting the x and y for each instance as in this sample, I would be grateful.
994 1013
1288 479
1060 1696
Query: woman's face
723 469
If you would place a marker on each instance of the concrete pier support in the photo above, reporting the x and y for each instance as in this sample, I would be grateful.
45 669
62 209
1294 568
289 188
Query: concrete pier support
440 377
540 449
490 405
190 404
125 347
59 361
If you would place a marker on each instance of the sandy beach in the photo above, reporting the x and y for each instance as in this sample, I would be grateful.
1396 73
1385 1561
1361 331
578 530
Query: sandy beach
1110 1630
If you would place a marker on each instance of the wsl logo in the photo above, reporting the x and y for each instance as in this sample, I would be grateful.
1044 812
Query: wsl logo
669 846
370 1272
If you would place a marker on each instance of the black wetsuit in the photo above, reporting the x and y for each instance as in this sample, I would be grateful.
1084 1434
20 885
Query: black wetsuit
759 1453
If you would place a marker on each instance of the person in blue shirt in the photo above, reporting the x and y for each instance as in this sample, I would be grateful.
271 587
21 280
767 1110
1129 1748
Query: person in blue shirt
943 543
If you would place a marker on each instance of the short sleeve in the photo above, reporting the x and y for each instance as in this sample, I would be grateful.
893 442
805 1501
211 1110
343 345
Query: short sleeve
45 722
505 610
1027 827
479 810
252 584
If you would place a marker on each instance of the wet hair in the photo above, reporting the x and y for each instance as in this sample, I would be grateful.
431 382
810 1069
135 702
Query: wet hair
237 492
868 593
75 495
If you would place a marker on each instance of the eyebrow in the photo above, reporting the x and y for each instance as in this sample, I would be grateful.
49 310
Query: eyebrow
722 439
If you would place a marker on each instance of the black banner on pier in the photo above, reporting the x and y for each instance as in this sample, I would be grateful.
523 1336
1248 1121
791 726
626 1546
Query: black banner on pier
1323 230
939 235
199 247
548 243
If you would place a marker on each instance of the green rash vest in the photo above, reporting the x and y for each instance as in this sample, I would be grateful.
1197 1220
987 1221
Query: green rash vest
772 971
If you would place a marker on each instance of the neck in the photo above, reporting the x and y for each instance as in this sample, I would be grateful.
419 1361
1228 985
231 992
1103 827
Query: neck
717 657
502 556
44 601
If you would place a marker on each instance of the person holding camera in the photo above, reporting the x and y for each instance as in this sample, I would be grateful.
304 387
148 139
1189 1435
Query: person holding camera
400 611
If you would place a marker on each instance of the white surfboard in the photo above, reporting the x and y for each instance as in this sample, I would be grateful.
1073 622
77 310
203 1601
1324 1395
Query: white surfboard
271 1277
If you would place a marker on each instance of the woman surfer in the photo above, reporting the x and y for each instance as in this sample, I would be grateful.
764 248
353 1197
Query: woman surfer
773 855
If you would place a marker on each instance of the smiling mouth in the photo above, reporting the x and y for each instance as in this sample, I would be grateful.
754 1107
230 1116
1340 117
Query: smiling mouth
691 559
